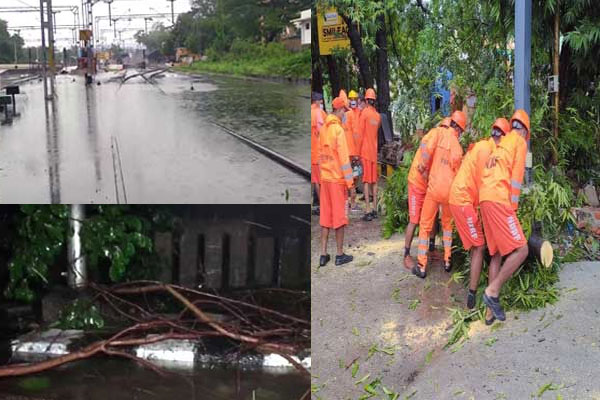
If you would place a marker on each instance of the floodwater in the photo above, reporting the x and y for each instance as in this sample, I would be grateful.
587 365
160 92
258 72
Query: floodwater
119 379
162 143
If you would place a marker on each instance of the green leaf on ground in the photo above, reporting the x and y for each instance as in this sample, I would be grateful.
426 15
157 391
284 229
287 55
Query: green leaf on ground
355 331
361 380
413 304
490 341
549 386
410 396
354 369
428 357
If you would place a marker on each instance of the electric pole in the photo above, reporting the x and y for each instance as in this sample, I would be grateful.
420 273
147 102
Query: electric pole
18 32
172 11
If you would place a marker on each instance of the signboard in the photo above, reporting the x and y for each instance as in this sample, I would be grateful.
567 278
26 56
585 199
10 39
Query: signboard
333 31
85 35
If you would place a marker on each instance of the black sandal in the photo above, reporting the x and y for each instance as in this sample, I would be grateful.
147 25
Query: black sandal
488 322
448 267
494 304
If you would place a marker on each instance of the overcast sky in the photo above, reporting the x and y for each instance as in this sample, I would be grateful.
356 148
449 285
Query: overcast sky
64 37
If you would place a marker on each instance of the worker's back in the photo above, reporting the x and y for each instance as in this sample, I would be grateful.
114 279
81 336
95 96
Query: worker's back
446 161
466 184
502 182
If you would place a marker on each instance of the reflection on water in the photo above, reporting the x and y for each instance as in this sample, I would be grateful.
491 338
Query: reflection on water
117 379
275 115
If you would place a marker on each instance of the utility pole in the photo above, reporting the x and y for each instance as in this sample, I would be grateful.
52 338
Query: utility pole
47 53
523 68
18 32
115 28
172 11
109 9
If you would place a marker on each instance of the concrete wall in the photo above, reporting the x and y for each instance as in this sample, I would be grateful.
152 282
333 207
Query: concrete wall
259 247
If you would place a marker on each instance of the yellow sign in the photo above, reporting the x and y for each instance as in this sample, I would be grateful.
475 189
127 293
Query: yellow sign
333 32
85 35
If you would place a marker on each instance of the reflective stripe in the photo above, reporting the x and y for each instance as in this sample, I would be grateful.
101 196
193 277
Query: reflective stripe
423 145
346 166
447 242
424 154
514 198
448 233
348 177
422 241
515 184
422 252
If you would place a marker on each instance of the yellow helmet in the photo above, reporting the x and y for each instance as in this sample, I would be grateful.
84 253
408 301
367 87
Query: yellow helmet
353 95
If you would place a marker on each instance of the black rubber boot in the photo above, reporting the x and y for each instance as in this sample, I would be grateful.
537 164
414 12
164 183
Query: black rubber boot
324 260
343 259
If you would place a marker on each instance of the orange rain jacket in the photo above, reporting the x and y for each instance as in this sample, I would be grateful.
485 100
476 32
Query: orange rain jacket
317 119
357 135
368 127
441 157
350 127
334 159
466 184
502 183
415 178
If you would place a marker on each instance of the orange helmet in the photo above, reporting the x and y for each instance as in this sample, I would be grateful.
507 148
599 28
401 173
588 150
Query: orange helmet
460 119
445 122
344 97
338 103
521 116
370 94
502 124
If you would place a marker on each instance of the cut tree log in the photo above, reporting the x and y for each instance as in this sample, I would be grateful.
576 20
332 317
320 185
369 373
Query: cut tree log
541 250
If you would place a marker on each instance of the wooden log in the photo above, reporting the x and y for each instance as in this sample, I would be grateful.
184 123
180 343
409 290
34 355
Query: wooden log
540 249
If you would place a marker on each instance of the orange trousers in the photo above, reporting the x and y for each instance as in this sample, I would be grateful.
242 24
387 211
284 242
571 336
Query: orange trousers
430 208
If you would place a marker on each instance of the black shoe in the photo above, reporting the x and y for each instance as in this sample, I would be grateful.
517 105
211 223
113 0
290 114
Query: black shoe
324 260
448 267
367 217
488 322
471 300
316 211
494 304
373 214
343 259
419 272
431 246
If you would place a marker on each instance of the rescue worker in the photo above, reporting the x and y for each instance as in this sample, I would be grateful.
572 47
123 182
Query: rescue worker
352 139
464 200
369 124
499 200
417 188
336 180
317 119
440 160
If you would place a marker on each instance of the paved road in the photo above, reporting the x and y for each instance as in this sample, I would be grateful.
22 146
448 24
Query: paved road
142 143
370 304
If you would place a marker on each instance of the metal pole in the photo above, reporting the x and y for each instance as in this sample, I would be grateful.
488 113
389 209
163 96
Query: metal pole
17 34
51 47
44 55
172 11
523 67
77 274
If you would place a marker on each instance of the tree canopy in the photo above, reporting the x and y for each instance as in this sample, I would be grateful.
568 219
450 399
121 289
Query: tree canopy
7 44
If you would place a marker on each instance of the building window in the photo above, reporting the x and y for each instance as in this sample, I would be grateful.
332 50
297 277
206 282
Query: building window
308 26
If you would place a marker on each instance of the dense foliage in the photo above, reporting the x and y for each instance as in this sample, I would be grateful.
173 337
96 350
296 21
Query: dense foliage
7 44
117 241
214 25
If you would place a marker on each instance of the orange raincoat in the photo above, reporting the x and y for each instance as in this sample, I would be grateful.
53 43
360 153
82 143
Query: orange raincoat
333 150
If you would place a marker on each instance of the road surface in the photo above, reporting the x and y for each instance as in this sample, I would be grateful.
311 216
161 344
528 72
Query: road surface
143 143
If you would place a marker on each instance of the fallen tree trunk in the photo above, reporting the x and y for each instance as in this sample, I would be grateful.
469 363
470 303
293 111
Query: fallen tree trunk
540 249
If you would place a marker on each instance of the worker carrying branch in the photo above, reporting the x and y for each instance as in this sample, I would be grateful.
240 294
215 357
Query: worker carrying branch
440 159
464 202
499 199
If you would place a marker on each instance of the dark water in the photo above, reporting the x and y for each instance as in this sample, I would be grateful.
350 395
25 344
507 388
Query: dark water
142 143
116 379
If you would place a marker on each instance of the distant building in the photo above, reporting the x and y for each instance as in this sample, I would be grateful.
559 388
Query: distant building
303 25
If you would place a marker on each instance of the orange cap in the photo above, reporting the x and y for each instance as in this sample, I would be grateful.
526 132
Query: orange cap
370 94
337 103
460 119
445 122
521 116
502 124
344 97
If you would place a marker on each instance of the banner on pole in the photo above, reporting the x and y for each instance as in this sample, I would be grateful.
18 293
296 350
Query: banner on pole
333 31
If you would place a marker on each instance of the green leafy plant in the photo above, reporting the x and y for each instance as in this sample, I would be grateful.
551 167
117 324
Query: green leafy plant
80 314
116 238
395 197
